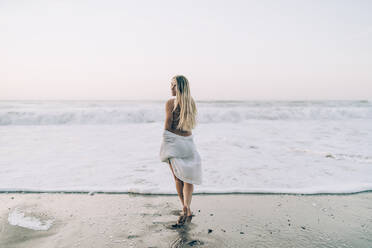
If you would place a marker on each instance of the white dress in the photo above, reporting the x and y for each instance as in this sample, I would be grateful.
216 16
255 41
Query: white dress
184 157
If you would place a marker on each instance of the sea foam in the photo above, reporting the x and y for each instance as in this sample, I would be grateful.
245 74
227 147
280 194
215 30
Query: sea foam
112 112
302 153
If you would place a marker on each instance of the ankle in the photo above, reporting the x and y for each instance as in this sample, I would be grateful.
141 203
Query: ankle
187 210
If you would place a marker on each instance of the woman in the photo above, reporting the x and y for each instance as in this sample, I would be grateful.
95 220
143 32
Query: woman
178 148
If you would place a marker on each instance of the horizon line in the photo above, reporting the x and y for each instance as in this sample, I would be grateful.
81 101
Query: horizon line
198 100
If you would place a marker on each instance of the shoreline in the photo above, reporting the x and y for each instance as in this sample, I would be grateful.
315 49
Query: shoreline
221 220
173 194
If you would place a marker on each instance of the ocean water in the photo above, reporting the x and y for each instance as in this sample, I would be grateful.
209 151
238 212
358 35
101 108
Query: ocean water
303 147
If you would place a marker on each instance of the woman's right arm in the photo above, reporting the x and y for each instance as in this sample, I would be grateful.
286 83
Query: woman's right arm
168 114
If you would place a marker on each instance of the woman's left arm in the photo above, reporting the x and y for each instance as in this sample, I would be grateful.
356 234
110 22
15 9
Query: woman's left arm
168 114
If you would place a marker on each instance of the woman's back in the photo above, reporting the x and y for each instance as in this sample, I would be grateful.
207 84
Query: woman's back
172 123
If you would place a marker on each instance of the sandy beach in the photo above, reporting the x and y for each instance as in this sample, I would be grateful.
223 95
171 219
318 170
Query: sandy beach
226 220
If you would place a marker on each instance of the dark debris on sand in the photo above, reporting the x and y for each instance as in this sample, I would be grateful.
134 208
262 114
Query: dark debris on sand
195 242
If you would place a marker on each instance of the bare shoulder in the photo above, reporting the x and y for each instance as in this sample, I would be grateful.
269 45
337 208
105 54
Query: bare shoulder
170 103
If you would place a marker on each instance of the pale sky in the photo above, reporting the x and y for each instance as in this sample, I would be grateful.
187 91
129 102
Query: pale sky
229 50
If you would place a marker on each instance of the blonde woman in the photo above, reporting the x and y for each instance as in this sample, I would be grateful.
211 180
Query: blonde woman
178 148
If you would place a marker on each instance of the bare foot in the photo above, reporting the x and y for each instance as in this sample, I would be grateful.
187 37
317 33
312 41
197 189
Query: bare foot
188 218
182 218
180 222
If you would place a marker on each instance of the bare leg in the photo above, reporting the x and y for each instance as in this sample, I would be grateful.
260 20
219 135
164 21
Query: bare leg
187 192
179 187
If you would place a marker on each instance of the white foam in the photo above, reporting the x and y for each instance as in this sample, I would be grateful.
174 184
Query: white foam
123 112
267 156
18 218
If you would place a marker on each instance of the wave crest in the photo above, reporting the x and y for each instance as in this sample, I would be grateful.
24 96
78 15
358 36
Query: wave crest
46 113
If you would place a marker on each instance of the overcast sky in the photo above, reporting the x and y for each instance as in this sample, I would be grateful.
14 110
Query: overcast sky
229 50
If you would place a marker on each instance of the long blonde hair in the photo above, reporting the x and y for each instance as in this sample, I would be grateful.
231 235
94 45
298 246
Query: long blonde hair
188 112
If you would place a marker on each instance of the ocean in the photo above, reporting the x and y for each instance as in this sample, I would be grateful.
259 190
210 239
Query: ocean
305 147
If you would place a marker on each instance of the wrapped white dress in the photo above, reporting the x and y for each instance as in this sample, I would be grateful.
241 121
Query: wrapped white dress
184 158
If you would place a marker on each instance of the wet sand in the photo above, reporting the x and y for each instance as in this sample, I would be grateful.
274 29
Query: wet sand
231 220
